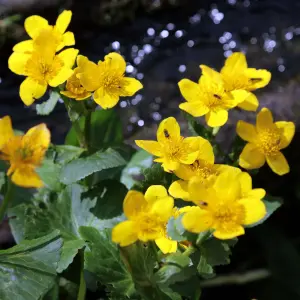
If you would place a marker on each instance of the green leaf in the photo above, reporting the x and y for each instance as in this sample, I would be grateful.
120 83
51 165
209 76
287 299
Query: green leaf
205 270
49 173
2 180
47 107
139 161
175 229
110 195
105 262
106 130
28 270
83 167
66 153
272 204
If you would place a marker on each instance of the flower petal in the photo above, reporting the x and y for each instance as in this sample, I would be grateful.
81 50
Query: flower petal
168 129
68 56
246 183
25 46
115 61
37 136
27 177
63 21
199 193
34 24
264 120
184 172
63 75
206 151
278 163
246 131
179 189
287 133
124 233
130 86
30 90
6 130
226 235
197 220
17 62
104 99
68 39
155 193
235 64
190 90
255 210
163 208
195 108
250 103
211 74
152 147
134 203
216 118
239 97
166 245
258 78
251 157
169 165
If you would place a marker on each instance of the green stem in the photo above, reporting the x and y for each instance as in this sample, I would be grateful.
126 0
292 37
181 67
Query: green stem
82 285
190 250
7 199
87 129
202 238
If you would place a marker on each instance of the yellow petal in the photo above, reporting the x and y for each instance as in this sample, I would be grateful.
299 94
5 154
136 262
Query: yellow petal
166 245
134 203
104 99
17 62
255 210
278 163
197 220
168 129
63 21
124 233
199 193
250 104
216 118
179 189
68 56
25 46
190 90
246 182
211 74
251 157
169 165
287 133
31 90
155 192
68 39
115 61
196 108
226 235
246 131
163 208
78 97
227 187
38 136
63 75
152 147
184 171
206 151
130 86
235 64
34 24
258 78
192 146
239 96
27 177
264 120
6 130
88 73
258 194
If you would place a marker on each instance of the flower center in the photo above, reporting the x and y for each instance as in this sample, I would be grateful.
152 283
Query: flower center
269 141
227 217
150 226
202 169
112 81
174 149
73 85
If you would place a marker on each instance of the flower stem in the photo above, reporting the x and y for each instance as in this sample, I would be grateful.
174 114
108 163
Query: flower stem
87 129
7 199
190 250
82 285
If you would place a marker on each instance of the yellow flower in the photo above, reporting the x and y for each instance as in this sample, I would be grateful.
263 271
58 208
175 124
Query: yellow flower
107 79
42 67
171 148
209 97
237 76
24 153
265 140
147 219
204 168
74 89
225 207
37 27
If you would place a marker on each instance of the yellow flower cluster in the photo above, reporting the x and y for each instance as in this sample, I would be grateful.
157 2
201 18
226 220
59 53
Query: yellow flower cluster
24 153
37 59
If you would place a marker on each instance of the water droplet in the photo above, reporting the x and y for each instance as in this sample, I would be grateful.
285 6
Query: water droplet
182 68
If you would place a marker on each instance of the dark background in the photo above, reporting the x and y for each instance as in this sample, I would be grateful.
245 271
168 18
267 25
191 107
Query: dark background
164 41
